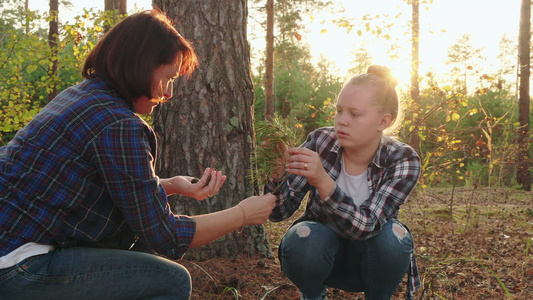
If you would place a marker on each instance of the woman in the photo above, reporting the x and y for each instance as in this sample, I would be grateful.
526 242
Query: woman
349 236
77 184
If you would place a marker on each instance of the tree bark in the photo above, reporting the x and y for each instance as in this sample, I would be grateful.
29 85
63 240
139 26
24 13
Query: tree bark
270 104
109 6
415 87
27 25
123 7
53 34
114 7
523 175
209 121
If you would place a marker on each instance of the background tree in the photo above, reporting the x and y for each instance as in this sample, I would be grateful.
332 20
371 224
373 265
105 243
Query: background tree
270 105
415 65
114 9
300 90
523 173
123 7
361 60
462 56
26 8
53 38
26 59
507 72
209 121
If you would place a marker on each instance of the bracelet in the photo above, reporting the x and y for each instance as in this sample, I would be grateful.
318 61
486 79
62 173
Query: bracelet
243 218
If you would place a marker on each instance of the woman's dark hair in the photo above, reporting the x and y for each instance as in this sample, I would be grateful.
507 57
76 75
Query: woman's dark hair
129 52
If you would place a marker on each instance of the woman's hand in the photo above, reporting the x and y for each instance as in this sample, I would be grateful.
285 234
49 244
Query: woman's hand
307 163
208 185
250 211
257 209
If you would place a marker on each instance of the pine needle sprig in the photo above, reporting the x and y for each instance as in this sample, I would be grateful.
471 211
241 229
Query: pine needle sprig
273 138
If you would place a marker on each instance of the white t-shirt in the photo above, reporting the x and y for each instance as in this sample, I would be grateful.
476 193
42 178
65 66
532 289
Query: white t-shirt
23 252
354 186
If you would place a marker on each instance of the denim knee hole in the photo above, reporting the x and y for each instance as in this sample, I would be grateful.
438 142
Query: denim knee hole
399 231
303 231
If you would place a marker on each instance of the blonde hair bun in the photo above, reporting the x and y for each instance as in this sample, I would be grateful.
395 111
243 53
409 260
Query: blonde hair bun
384 73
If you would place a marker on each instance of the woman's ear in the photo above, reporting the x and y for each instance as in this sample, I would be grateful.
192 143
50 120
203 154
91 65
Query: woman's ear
384 123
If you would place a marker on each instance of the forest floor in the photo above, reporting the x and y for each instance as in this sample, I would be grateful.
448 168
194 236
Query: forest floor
470 244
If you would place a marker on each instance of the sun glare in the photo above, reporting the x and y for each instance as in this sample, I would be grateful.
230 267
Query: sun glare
442 23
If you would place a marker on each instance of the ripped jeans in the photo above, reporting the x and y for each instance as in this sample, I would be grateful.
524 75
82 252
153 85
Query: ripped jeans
314 257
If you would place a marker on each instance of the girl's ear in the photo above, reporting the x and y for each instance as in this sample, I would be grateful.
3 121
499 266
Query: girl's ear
384 123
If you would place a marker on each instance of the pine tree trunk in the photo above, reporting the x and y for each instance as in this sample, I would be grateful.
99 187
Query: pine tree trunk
209 121
270 105
523 176
123 7
53 37
114 8
415 87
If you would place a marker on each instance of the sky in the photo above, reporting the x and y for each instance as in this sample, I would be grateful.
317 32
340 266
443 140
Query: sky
442 23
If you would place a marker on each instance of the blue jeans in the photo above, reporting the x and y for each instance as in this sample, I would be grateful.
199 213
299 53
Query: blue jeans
94 273
313 257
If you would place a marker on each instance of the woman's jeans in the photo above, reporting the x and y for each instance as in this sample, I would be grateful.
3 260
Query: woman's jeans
313 257
94 273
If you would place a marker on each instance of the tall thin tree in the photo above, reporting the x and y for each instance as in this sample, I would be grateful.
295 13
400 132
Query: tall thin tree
53 37
123 7
523 175
209 123
269 63
26 8
415 65
464 57
112 7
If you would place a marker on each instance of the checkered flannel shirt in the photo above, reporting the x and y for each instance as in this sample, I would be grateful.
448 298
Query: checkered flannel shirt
392 174
81 171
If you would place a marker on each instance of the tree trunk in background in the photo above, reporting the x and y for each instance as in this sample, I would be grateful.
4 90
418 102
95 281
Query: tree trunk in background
109 7
523 176
415 87
209 121
114 7
270 104
123 7
53 34
27 26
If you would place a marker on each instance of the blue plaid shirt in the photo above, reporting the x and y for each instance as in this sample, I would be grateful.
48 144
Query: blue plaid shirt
392 174
83 171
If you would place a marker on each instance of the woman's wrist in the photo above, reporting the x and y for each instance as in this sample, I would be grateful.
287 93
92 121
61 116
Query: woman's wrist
243 217
175 185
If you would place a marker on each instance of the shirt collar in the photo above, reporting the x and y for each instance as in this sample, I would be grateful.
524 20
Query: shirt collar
381 154
99 81
336 146
379 157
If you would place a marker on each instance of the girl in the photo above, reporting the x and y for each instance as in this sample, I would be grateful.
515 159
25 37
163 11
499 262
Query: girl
349 236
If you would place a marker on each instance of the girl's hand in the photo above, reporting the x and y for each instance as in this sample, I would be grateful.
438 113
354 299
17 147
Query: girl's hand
307 163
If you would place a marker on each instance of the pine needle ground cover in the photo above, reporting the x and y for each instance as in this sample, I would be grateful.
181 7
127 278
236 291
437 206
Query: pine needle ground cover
470 244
